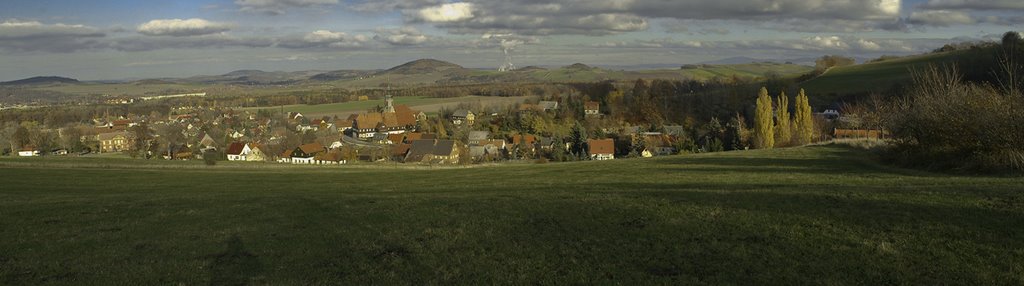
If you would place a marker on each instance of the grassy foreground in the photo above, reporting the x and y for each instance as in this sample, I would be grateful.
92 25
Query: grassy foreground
815 215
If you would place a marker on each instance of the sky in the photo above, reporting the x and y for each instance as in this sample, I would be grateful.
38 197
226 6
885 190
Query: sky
108 40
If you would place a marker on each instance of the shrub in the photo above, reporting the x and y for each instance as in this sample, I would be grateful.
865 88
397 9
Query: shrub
210 158
943 122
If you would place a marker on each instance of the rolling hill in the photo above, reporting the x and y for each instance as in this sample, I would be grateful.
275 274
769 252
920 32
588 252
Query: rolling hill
881 77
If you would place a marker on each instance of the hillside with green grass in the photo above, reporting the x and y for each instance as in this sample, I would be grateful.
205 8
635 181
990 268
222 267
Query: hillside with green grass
879 77
814 215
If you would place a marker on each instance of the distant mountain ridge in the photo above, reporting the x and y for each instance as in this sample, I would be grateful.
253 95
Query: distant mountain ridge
41 80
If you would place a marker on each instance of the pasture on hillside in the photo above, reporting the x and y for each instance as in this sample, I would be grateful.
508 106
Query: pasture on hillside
811 215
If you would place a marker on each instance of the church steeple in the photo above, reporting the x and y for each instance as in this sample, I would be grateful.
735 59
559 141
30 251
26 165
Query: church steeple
390 107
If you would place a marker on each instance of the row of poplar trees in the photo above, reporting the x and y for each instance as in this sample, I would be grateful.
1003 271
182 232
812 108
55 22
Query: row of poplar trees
782 128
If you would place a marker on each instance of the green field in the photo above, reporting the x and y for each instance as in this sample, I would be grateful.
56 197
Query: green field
814 215
874 77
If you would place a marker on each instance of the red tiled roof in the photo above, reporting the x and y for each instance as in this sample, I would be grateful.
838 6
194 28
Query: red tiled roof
525 139
395 138
235 148
601 146
312 148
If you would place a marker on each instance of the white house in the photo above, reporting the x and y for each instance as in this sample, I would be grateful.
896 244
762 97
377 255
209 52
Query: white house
28 152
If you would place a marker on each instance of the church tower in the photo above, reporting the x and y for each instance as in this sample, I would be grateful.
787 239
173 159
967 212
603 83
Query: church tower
390 107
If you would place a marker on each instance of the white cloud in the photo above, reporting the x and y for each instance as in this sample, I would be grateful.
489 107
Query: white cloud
325 39
405 36
182 28
451 12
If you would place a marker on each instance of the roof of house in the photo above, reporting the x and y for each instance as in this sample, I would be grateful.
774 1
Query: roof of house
343 123
462 113
592 105
409 137
405 115
329 156
396 138
312 148
496 142
601 146
525 139
421 148
401 149
368 120
479 135
235 148
110 135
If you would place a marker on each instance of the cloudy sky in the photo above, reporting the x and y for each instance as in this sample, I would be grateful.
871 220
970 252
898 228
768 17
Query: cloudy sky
93 40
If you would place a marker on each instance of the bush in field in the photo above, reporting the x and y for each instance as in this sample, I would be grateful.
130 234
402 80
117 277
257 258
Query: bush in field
210 158
943 122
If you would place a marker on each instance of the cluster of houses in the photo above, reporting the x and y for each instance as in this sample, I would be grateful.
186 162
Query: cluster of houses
392 133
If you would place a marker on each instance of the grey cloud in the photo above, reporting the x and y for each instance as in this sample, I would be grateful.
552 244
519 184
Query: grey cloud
821 44
277 7
974 4
138 44
600 17
941 18
22 36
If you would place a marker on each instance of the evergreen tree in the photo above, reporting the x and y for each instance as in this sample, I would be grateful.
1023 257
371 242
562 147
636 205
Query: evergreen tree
579 141
804 122
763 124
784 130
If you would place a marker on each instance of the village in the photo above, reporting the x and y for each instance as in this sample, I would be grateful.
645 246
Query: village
391 133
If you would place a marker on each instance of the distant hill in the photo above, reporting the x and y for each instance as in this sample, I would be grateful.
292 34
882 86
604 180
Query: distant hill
340 75
152 82
735 61
578 66
253 77
42 80
425 66
530 69
881 77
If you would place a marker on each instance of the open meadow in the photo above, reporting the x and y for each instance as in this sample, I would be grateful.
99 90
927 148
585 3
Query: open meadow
812 215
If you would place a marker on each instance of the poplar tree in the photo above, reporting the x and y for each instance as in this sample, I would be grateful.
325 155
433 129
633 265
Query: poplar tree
784 130
764 135
804 121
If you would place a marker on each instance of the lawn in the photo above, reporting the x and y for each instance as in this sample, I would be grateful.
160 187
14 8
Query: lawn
815 215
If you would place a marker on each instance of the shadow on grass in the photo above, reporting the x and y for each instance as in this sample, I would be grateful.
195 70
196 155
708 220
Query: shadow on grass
854 206
833 160
235 266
